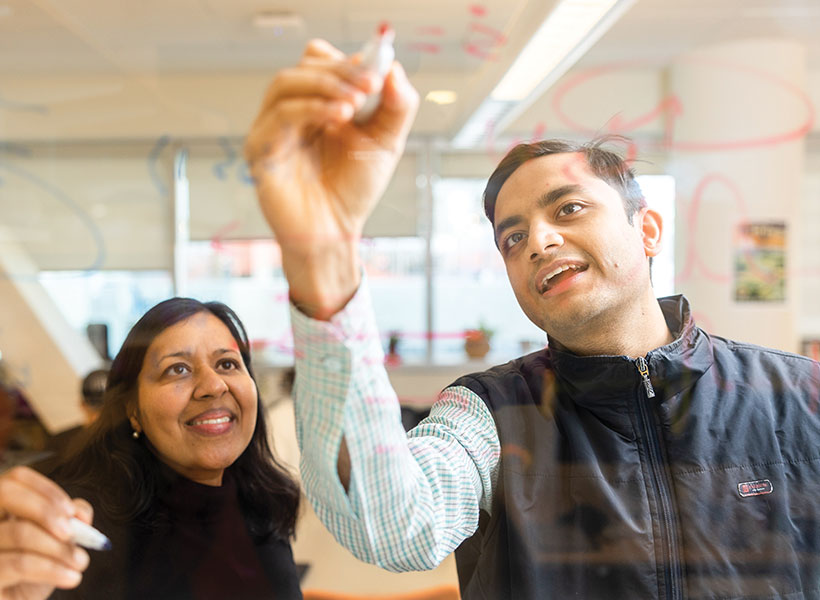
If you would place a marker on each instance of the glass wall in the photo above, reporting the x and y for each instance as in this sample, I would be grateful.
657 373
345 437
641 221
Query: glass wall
467 286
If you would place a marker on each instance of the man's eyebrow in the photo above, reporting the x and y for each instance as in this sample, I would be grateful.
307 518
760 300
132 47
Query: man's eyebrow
553 196
550 197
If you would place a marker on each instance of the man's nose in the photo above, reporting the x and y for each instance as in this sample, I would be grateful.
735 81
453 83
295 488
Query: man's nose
209 384
543 237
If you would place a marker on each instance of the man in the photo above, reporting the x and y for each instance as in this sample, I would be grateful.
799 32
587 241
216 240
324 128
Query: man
636 457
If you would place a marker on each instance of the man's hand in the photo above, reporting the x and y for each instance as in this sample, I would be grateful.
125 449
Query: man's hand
318 175
36 554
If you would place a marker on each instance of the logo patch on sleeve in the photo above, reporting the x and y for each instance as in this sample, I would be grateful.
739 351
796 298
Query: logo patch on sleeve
754 488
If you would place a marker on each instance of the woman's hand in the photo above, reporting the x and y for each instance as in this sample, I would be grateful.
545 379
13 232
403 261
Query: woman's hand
318 174
36 554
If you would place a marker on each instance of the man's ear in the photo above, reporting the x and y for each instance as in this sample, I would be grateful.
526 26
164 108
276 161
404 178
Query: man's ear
651 225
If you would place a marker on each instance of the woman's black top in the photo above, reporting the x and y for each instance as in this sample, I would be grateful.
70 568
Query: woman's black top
202 551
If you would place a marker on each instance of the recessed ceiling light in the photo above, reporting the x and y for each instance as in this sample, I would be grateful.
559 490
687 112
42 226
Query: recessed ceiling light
441 96
277 21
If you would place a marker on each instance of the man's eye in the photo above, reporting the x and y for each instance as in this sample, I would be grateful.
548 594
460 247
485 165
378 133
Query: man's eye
569 208
512 240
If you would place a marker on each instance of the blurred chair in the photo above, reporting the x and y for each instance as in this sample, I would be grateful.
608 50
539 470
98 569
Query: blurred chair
441 592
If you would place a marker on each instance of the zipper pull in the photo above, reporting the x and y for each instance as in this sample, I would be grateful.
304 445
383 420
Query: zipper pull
643 369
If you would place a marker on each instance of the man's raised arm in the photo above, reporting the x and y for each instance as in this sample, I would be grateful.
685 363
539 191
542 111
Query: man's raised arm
402 504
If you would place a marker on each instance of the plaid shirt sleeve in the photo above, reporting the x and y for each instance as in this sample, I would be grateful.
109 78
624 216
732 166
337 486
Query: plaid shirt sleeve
413 498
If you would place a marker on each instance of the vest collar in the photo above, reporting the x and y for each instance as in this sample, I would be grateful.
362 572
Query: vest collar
672 368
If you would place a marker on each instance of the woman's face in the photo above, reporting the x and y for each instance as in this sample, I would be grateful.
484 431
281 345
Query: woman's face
196 401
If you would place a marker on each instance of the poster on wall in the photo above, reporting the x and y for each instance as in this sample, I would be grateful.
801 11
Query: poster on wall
760 262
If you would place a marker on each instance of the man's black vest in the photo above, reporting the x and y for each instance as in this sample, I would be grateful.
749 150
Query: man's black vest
709 489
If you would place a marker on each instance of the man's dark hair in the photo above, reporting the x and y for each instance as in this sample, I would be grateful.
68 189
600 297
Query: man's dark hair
133 475
604 164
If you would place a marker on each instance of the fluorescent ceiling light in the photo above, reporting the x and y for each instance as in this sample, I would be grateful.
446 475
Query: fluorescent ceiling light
441 96
567 24
569 30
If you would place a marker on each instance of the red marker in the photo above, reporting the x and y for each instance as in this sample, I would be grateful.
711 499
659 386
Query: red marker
377 56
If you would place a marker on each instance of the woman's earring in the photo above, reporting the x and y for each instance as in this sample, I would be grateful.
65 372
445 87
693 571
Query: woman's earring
135 434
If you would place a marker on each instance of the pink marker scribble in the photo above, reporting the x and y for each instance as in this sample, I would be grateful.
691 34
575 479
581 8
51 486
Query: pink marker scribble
427 47
433 335
283 344
693 258
379 400
510 451
671 105
386 449
671 108
494 36
424 47
539 131
574 169
216 240
435 30
478 10
479 51
483 40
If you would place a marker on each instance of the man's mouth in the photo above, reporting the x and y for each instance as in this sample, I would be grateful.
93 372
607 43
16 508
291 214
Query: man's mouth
559 274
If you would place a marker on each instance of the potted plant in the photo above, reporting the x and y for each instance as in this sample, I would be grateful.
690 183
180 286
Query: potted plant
477 341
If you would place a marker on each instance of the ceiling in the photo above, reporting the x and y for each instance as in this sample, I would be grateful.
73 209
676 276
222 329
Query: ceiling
462 45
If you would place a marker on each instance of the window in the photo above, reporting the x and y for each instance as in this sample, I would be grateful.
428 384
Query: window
470 285
115 298
247 276
396 274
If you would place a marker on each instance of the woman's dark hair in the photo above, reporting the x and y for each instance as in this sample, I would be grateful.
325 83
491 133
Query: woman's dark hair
268 496
604 164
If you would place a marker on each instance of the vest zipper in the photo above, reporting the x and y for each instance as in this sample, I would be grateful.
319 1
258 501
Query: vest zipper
668 524
643 369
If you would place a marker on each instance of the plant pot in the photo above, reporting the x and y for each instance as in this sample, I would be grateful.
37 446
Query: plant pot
476 347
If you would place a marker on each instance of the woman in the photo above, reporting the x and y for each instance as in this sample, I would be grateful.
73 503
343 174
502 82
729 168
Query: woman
178 471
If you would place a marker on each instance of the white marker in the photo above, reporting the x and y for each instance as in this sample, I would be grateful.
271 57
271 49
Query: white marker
85 535
377 56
